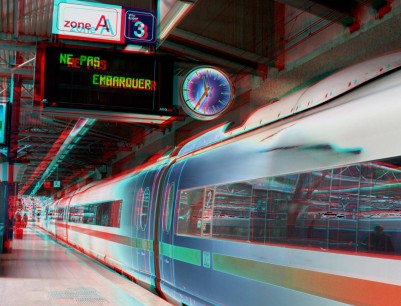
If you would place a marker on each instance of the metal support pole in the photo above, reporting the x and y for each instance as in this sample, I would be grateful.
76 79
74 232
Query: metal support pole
10 196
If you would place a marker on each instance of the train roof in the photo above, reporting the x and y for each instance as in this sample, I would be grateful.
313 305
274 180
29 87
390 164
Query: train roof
334 85
157 160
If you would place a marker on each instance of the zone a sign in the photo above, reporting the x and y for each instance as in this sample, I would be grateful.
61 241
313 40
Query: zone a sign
87 21
100 22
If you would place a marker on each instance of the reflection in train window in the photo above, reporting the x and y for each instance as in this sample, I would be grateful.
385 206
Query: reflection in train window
142 208
354 208
104 214
232 211
190 212
221 212
168 207
58 214
138 207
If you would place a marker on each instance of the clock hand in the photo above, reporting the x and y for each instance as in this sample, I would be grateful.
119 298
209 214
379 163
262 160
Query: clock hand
201 98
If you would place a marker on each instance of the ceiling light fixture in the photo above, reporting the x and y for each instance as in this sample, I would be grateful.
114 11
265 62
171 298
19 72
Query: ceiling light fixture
77 132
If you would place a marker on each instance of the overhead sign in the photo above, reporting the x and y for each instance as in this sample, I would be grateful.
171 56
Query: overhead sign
104 23
104 80
87 20
140 27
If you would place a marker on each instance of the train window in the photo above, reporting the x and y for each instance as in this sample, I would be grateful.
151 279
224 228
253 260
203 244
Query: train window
145 208
354 208
58 214
168 207
268 215
231 214
220 212
103 214
50 214
207 211
142 205
138 208
190 212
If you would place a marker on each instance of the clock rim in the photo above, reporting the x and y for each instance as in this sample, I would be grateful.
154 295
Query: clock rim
201 116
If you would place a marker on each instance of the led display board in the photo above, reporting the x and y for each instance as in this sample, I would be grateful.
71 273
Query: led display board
87 79
91 21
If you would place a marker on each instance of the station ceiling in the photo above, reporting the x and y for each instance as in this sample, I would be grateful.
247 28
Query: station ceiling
262 39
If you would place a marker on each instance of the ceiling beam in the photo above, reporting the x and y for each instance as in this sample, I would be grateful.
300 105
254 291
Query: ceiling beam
9 72
344 9
215 48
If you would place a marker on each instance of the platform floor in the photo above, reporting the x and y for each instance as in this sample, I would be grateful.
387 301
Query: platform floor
40 271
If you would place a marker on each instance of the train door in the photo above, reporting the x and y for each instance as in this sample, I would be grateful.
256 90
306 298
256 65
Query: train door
60 215
166 243
143 224
67 218
164 232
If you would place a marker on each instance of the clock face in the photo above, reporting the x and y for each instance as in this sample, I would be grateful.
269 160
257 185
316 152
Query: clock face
206 93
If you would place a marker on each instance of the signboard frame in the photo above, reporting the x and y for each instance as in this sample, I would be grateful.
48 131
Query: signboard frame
81 80
89 21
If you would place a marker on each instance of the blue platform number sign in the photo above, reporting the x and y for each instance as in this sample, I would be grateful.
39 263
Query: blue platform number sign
140 27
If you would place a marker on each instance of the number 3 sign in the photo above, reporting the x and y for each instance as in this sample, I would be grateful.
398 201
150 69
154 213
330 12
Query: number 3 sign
140 27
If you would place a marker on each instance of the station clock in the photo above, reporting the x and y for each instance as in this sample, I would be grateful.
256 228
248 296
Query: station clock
206 93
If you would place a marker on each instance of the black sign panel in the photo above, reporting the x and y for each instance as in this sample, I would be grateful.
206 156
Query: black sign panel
99 80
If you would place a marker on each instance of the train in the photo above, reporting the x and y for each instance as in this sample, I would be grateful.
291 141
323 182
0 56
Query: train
299 205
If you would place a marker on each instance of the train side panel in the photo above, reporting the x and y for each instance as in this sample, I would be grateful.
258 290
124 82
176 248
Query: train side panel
239 209
113 222
95 223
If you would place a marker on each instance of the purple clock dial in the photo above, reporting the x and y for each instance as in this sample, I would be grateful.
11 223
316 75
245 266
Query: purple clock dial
206 92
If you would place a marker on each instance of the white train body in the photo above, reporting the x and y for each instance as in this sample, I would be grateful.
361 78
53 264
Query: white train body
279 211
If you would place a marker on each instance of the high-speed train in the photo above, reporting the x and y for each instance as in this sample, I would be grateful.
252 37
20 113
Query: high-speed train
300 205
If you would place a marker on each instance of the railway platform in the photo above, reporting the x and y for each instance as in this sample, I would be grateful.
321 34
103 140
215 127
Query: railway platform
41 271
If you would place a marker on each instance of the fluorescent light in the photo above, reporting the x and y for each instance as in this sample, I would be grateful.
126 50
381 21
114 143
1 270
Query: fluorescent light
109 116
136 48
173 17
80 128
